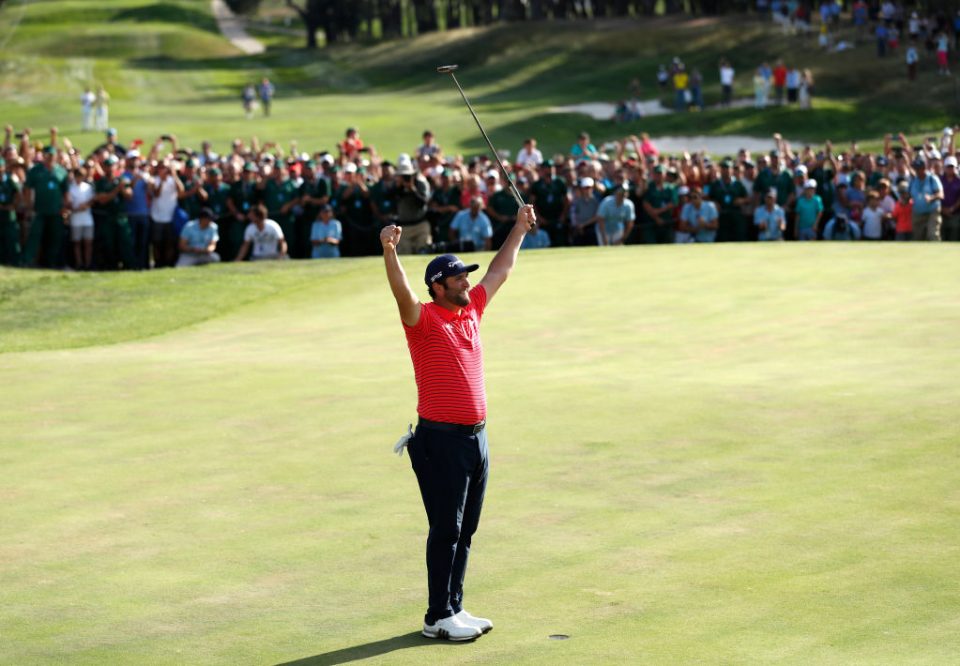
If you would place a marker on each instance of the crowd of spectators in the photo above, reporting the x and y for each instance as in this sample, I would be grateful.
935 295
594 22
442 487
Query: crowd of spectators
140 207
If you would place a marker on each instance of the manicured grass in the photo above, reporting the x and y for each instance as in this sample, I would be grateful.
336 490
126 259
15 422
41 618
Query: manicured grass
700 455
168 70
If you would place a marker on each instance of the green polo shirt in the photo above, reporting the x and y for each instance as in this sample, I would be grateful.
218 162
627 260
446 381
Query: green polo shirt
217 196
48 186
550 197
277 195
115 206
503 203
244 195
724 194
191 204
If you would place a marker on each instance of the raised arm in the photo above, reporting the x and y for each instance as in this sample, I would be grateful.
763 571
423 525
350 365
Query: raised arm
407 301
504 260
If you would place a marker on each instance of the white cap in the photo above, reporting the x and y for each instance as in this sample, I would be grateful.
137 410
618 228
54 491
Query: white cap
327 159
405 166
133 153
586 182
801 169
350 167
683 189
492 174
810 184
948 131
950 161
934 154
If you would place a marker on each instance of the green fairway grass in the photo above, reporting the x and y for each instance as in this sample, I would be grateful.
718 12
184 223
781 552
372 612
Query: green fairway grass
702 454
168 69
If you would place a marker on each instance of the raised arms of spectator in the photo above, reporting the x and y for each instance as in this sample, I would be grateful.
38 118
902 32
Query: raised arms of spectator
407 301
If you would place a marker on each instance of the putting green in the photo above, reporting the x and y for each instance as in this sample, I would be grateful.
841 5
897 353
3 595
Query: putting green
700 454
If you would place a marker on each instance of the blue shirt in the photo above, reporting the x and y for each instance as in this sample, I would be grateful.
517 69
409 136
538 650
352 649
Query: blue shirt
198 238
321 230
773 219
919 188
853 231
615 217
690 215
536 240
137 204
477 229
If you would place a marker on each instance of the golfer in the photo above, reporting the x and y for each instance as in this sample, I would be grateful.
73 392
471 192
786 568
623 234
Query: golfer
448 450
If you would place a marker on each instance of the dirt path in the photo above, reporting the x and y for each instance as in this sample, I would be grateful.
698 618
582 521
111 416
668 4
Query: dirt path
233 27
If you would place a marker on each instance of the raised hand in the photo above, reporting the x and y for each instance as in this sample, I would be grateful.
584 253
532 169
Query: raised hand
390 237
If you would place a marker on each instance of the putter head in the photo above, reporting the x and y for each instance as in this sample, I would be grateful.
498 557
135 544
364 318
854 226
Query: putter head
446 69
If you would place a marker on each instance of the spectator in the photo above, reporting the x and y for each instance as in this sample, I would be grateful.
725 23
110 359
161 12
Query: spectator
663 77
266 91
413 202
769 219
729 195
314 193
80 199
549 196
659 205
903 212
193 197
46 188
727 74
617 216
809 210
244 195
326 234
912 58
351 146
882 34
198 241
950 207
10 198
583 214
583 149
872 218
265 237
699 219
779 80
529 155
429 151
112 239
943 46
501 209
536 239
279 194
681 87
761 89
926 191
841 229
101 109
806 89
444 204
696 89
138 209
471 228
248 97
87 100
165 191
793 85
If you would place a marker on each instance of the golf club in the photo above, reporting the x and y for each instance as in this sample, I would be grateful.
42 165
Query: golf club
450 69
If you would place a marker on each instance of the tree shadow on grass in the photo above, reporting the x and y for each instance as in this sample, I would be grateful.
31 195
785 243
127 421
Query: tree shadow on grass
372 649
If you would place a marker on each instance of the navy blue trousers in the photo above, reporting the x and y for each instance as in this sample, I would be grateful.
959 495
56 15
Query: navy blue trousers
452 471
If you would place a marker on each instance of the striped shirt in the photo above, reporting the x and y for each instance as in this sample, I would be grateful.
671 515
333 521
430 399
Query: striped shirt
448 361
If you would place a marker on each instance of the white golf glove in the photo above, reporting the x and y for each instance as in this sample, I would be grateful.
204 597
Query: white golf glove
403 441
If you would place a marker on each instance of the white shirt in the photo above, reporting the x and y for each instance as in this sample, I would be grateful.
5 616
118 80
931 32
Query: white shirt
726 76
86 100
525 157
165 203
79 194
266 242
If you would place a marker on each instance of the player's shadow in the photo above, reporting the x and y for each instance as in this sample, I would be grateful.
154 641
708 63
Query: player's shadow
367 650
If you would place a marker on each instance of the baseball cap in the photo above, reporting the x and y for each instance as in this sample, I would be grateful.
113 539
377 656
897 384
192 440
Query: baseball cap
917 163
444 266
350 167
586 181
206 212
683 189
950 161
131 154
811 184
112 159
250 166
49 150
800 171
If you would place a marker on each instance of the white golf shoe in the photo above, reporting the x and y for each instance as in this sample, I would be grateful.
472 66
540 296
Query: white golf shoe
481 623
452 629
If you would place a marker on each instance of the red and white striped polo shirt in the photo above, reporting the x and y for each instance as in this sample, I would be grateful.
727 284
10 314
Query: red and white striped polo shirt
448 361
